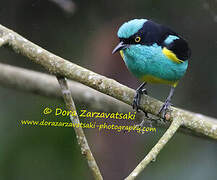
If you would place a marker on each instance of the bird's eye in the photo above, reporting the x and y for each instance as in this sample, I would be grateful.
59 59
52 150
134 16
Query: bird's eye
137 39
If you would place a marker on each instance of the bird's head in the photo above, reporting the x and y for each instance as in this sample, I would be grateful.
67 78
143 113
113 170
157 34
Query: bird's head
129 34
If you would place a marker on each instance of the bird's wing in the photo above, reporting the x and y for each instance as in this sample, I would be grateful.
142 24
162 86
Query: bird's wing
177 46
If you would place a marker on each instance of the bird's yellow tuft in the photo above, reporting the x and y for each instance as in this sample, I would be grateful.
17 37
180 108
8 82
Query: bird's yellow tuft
171 55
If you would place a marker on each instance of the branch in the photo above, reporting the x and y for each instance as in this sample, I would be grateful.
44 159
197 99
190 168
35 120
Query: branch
82 141
151 156
58 66
46 85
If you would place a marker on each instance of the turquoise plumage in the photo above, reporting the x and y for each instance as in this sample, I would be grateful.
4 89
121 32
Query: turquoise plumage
149 60
154 54
131 27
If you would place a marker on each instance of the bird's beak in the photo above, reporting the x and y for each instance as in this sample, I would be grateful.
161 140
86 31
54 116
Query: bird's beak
120 46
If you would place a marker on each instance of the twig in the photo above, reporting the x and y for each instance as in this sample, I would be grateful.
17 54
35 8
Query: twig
56 65
82 141
151 156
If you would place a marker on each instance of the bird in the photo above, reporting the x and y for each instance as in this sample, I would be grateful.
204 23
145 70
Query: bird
155 54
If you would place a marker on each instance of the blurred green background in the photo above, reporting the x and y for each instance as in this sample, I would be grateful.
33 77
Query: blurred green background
86 35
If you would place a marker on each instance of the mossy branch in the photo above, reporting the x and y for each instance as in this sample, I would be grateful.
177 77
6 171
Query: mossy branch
46 85
59 66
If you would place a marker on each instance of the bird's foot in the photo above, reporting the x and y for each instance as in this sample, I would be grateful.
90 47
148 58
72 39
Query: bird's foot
165 108
136 99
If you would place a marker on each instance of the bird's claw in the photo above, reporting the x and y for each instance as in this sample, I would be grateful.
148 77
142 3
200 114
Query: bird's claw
165 108
136 100
136 103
